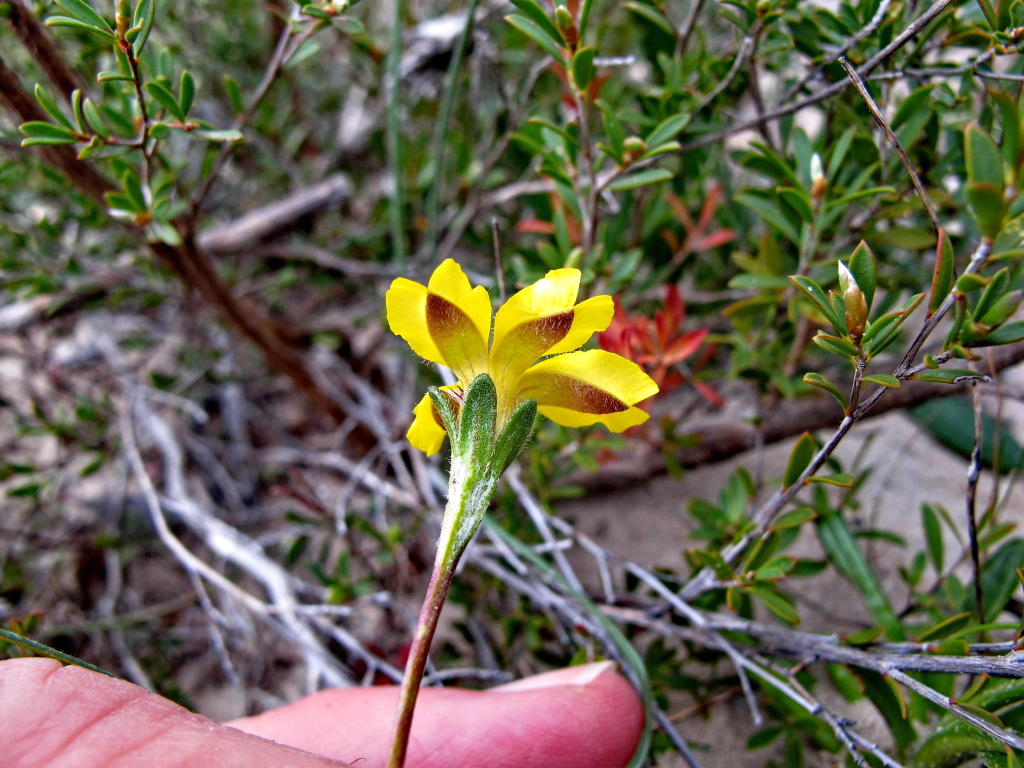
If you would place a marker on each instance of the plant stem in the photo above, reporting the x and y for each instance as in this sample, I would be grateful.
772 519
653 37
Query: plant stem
437 591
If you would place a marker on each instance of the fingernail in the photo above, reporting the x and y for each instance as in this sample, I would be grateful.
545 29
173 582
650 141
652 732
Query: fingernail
582 675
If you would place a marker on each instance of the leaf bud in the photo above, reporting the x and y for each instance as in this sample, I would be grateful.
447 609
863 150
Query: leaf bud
856 303
633 147
819 186
123 17
567 26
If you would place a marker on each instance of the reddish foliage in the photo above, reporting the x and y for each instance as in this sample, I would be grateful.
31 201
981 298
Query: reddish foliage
660 346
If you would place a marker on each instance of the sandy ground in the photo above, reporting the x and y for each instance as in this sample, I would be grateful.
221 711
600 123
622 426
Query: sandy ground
650 525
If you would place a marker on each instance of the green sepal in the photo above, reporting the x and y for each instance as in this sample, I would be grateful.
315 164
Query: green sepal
514 435
444 408
475 431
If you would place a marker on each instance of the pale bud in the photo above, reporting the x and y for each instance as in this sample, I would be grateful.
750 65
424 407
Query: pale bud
856 303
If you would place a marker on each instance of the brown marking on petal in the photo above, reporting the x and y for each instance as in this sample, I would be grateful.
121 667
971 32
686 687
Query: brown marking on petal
547 331
455 334
529 341
562 391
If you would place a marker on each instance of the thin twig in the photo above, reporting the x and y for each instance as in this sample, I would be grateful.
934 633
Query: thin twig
876 113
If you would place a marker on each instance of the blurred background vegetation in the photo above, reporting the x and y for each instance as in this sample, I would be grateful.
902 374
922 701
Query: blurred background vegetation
206 486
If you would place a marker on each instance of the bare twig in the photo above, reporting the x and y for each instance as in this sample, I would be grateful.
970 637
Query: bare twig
876 113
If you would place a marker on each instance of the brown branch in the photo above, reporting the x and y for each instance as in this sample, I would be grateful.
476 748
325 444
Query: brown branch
23 106
790 418
37 40
262 224
188 261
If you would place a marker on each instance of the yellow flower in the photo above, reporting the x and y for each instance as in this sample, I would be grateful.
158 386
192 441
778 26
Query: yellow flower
449 322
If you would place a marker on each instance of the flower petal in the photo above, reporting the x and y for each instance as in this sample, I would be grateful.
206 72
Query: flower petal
615 422
542 320
426 432
446 322
581 388
406 303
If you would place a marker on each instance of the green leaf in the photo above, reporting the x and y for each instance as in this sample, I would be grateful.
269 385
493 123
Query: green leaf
817 380
583 67
83 12
884 379
215 135
799 201
551 46
984 187
166 99
65 21
39 133
996 287
815 293
943 274
841 479
142 20
775 602
947 375
641 179
862 266
933 537
532 11
770 213
1004 308
234 94
186 92
109 76
1004 334
951 422
950 626
836 345
666 130
794 519
612 129
652 14
46 102
799 459
998 579
843 552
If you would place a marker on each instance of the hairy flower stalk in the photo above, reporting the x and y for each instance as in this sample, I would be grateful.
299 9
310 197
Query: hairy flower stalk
489 413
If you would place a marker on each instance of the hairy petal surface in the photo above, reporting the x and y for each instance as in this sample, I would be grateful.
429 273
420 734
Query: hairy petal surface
582 388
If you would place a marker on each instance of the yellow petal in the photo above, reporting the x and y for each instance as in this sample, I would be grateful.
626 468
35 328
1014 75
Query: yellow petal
554 293
616 422
407 315
426 432
450 283
446 322
542 320
597 385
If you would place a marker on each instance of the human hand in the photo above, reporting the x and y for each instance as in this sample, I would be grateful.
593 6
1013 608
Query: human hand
580 717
